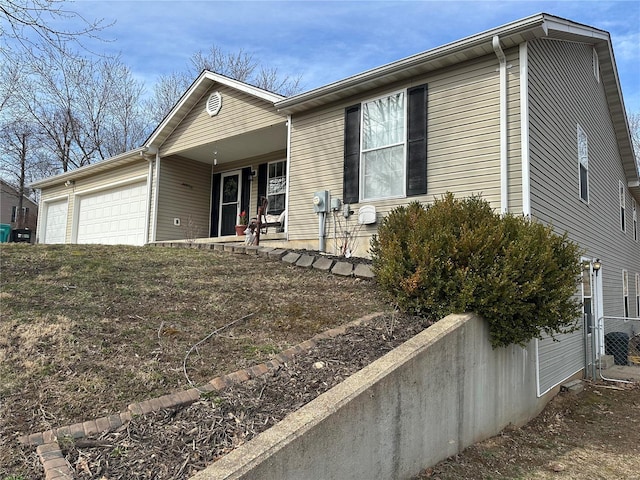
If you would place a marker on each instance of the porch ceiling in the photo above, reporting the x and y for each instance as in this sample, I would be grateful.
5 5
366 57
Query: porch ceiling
238 147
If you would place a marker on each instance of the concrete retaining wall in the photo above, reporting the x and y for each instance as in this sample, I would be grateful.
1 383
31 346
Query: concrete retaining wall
428 399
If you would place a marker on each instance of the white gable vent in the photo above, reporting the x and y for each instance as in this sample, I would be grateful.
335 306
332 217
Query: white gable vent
214 103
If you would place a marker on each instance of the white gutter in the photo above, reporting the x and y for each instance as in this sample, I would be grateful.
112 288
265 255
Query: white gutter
504 165
286 201
524 129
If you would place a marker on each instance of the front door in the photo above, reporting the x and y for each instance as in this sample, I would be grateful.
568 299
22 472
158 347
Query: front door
230 195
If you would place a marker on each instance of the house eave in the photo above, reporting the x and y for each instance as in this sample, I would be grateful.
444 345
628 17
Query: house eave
125 158
421 63
538 26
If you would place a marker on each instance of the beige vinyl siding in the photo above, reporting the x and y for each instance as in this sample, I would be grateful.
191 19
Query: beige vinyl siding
514 152
184 193
463 145
563 92
99 181
240 113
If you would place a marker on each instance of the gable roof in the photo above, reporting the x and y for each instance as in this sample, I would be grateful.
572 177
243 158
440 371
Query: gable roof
191 97
9 189
511 35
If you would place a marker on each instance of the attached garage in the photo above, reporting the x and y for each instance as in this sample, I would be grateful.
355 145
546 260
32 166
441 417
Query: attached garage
55 221
115 216
109 202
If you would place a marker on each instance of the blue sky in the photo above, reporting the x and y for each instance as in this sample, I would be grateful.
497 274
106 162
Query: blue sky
325 41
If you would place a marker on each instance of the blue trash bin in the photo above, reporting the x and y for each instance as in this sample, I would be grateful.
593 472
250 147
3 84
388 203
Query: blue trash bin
5 232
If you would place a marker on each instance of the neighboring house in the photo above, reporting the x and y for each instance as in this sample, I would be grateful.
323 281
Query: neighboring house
530 115
10 213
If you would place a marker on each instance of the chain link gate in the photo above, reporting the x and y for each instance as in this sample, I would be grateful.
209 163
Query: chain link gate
612 343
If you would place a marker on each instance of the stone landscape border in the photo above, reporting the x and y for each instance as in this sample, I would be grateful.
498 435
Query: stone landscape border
335 265
47 443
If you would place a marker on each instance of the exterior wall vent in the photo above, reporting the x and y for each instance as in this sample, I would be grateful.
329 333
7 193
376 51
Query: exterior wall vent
214 104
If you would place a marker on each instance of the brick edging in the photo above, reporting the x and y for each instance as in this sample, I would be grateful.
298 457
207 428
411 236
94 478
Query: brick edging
292 257
47 443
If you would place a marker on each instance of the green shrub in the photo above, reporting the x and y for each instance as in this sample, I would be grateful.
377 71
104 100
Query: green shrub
458 256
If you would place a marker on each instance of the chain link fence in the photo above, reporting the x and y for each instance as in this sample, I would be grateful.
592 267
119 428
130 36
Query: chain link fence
614 342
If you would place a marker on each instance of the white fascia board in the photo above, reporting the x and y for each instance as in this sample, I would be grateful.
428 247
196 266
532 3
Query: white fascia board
123 158
532 22
244 87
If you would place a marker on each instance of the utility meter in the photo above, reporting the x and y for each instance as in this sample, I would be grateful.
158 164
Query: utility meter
321 201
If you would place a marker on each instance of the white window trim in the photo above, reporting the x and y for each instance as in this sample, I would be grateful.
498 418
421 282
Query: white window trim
583 160
634 215
638 294
284 174
404 144
622 194
596 65
626 308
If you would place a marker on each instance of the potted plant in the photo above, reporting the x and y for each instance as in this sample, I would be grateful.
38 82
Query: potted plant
242 223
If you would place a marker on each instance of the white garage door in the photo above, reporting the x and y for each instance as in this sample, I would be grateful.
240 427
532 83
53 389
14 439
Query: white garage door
55 222
113 217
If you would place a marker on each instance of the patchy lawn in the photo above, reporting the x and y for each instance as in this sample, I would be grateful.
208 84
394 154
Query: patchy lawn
86 330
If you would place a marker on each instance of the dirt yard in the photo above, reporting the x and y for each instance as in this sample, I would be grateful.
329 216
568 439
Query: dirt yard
85 331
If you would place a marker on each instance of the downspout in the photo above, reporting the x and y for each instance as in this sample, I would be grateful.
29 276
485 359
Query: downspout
155 203
147 215
286 201
504 165
524 130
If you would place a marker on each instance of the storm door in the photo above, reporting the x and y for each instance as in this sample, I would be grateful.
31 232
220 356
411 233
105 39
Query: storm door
230 195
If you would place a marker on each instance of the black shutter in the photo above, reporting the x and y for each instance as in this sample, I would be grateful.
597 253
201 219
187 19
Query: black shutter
215 204
417 141
262 184
351 179
246 191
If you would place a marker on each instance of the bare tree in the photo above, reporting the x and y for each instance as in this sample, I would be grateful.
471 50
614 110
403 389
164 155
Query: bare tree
29 25
239 65
22 161
86 110
166 93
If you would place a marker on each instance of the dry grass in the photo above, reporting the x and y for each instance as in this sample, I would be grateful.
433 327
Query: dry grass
591 435
86 330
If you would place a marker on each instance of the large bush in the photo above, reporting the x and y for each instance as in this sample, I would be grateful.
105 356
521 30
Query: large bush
459 256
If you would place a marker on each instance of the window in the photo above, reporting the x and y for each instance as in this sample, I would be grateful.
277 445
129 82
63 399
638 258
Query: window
634 213
583 164
587 297
14 214
596 65
622 205
638 294
625 292
277 187
385 146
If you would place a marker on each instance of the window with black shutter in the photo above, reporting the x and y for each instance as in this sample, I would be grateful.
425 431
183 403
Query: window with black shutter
384 155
